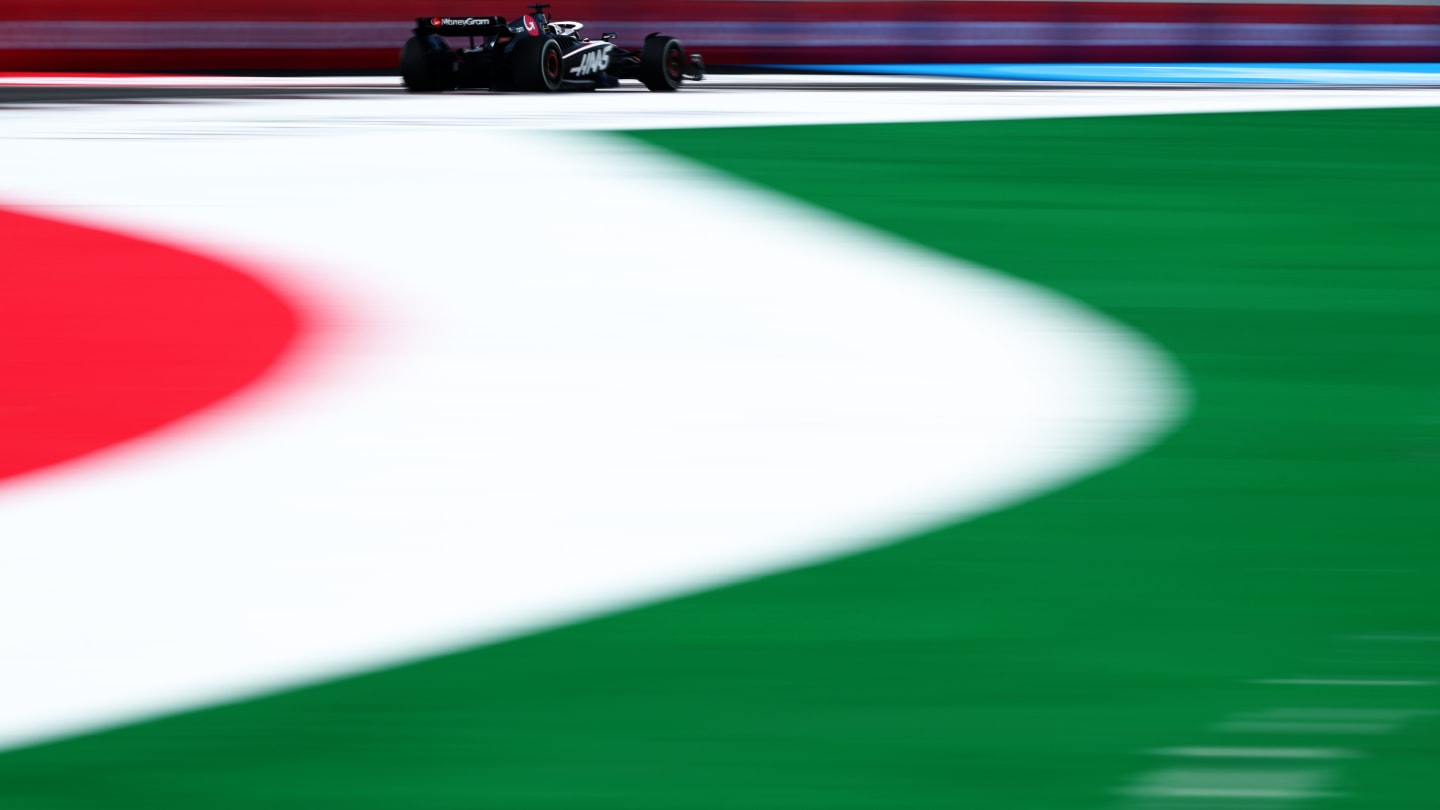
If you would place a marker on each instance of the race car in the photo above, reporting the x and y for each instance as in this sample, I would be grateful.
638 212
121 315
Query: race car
533 53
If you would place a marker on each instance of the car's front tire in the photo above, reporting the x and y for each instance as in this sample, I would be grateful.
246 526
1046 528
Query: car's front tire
662 64
535 65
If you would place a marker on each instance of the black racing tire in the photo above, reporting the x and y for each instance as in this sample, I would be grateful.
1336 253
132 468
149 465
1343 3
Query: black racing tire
536 65
662 64
427 69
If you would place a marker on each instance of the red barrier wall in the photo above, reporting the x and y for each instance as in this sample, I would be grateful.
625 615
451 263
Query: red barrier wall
148 35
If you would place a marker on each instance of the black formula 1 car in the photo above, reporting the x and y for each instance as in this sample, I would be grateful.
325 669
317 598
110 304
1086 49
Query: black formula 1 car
535 54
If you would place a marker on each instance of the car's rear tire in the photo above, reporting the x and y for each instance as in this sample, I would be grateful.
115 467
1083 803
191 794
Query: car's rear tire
427 66
662 64
536 65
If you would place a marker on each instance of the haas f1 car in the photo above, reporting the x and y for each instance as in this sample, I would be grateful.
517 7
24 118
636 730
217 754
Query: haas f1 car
535 54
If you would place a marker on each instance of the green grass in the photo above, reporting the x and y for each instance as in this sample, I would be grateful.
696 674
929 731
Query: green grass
1026 660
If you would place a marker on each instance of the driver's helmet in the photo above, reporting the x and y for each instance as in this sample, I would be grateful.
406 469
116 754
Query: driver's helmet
564 28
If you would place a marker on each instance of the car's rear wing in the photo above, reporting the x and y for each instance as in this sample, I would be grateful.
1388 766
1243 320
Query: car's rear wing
459 26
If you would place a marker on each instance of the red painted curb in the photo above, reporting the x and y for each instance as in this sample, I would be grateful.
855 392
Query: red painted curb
106 337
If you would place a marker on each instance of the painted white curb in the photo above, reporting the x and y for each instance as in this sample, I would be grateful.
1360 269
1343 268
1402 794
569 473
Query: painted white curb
569 375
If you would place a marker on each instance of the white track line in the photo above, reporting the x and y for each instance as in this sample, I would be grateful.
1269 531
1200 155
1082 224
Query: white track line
700 106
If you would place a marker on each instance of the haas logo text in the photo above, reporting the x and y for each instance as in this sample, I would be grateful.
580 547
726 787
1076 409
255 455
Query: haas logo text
592 62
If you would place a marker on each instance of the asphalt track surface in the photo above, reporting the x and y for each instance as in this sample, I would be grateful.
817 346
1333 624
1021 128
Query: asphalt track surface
12 95
751 99
98 89
81 89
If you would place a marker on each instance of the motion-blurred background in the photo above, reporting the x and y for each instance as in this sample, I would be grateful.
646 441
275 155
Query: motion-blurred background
331 35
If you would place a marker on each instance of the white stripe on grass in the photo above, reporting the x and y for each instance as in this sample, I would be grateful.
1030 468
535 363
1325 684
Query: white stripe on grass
1341 682
1232 752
